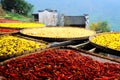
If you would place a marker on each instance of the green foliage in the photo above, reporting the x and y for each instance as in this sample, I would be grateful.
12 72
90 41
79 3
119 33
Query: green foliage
15 16
102 26
18 6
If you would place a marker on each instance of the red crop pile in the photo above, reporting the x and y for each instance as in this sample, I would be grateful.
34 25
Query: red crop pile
59 64
5 30
8 21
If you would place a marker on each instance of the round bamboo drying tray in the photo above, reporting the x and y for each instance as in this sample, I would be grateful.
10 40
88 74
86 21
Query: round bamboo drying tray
5 57
107 49
58 36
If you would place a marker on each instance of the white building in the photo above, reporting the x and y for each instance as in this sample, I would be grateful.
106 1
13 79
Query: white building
47 17
77 21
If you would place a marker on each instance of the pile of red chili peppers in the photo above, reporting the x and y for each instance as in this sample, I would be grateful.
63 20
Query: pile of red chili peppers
8 21
6 30
59 64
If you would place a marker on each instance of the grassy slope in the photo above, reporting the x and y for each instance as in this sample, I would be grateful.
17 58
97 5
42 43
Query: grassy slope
15 16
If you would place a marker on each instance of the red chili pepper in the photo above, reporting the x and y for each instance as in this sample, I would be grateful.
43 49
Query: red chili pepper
59 64
8 30
8 20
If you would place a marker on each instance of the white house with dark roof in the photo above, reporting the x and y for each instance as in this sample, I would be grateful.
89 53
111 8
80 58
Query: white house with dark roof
47 17
50 18
77 21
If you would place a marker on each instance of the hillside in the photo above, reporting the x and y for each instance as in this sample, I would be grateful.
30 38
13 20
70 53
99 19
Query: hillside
15 16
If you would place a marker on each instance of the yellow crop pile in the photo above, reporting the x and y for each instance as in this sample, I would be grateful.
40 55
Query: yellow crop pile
12 45
58 32
110 40
21 25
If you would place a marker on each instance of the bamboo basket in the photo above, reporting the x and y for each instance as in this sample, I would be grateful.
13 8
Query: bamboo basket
106 49
2 58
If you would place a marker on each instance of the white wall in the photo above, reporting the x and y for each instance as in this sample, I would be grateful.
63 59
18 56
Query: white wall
48 18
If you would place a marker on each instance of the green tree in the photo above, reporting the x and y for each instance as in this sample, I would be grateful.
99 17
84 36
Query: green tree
102 26
18 6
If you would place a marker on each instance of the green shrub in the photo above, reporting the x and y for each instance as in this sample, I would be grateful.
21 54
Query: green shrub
102 26
15 16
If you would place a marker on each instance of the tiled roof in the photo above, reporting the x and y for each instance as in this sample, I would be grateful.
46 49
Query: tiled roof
49 10
74 20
